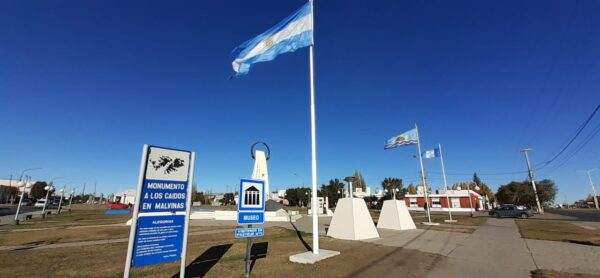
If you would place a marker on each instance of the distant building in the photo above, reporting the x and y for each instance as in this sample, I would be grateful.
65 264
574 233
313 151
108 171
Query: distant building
13 183
126 197
359 193
458 200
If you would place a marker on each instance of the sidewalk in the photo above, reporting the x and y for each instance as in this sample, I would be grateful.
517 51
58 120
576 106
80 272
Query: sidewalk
10 219
496 249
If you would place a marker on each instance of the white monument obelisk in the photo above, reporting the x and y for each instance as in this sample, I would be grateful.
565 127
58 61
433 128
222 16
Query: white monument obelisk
351 219
394 216
260 171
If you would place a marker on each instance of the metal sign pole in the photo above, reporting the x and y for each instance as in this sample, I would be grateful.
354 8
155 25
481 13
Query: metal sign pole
136 209
248 254
187 217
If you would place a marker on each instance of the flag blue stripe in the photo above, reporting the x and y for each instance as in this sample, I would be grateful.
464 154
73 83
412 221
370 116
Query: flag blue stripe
247 46
292 44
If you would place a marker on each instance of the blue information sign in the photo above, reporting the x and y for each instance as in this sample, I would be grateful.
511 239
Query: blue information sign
158 240
251 202
249 232
161 212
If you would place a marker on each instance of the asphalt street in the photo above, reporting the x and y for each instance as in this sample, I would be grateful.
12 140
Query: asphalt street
589 215
13 209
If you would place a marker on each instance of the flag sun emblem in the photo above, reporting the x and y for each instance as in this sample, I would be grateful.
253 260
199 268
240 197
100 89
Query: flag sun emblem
269 42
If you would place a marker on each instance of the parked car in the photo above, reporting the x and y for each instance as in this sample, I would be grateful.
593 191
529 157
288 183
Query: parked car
26 202
511 211
41 203
116 205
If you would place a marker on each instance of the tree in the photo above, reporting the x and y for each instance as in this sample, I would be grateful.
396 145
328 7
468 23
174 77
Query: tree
297 196
228 199
390 184
370 201
359 181
37 190
476 179
521 193
333 190
411 189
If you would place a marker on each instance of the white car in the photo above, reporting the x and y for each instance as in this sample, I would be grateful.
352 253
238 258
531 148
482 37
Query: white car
41 203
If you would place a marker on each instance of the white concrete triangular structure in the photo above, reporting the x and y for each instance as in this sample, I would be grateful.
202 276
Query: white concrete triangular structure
394 216
260 171
352 221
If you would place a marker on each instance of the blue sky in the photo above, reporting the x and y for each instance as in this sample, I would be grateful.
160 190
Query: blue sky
85 84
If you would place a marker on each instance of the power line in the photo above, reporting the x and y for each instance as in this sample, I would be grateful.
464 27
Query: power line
577 133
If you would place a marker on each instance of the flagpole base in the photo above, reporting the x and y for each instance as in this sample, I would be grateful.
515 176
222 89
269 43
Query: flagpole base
450 221
430 223
312 258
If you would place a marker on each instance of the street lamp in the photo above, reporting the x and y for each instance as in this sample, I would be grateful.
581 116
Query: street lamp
62 195
25 185
48 188
469 195
350 180
71 198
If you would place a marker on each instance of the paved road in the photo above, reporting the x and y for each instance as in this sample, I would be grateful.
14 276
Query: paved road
590 215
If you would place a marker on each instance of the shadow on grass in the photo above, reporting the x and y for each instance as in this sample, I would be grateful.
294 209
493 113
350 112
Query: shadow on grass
299 234
203 263
258 251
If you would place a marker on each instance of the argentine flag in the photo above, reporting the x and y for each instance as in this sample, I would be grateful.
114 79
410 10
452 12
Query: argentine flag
294 32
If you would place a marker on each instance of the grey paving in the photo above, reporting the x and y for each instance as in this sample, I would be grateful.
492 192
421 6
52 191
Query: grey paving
496 249
10 219
431 241
303 224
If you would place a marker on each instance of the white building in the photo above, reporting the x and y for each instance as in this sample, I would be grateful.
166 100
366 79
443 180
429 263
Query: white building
126 197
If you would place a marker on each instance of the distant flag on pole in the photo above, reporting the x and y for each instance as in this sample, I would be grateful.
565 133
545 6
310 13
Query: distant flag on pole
292 33
432 153
404 139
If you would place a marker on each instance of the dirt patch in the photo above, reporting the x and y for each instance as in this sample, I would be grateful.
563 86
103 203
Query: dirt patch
545 273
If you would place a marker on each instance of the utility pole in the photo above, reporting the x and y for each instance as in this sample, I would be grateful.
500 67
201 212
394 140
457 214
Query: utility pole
532 179
9 185
593 187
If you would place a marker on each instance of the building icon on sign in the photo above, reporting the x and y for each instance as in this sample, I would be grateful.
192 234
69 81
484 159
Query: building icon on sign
251 196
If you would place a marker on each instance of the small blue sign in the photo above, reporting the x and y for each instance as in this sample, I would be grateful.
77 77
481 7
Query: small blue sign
249 232
158 240
251 202
251 217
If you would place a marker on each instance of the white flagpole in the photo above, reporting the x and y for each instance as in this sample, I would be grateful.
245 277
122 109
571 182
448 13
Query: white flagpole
423 175
313 138
445 182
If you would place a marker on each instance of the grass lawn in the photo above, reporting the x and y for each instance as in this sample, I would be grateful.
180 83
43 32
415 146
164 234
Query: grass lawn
220 255
465 223
76 217
557 231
